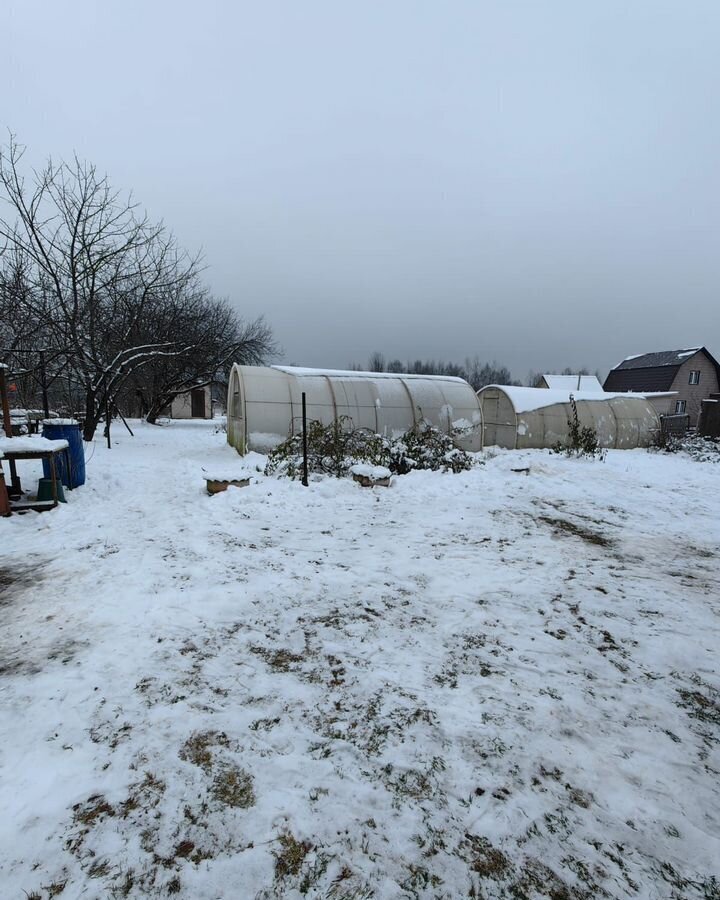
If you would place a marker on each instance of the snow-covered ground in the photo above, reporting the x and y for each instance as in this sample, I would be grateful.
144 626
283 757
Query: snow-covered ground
492 684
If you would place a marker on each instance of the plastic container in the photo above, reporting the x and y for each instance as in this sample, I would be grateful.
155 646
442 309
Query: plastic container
66 430
45 490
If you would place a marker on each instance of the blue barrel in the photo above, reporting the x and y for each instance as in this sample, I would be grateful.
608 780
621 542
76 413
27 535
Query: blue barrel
66 430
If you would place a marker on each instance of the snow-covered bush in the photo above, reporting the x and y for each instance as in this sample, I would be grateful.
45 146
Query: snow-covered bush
424 447
333 450
697 447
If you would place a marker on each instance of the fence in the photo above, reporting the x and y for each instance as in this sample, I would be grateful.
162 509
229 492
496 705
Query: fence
675 424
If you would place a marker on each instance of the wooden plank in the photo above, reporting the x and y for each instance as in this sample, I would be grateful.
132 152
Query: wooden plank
38 505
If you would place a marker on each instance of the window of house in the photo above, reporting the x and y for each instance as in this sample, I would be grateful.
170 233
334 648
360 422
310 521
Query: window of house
695 378
680 407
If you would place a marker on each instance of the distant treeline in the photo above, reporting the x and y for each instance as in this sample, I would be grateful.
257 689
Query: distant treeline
474 371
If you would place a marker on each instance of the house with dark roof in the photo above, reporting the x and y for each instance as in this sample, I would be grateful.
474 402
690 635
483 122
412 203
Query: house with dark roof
691 374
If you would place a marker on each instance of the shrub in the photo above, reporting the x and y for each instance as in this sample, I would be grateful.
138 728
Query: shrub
333 449
424 447
697 447
582 439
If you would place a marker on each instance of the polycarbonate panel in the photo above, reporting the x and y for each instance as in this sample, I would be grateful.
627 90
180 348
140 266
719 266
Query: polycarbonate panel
267 407
357 400
621 422
388 404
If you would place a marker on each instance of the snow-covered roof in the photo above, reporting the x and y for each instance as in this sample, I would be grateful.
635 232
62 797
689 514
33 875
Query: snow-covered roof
657 358
570 382
527 399
349 373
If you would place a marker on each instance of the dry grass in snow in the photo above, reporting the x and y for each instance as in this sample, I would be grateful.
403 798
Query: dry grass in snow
488 685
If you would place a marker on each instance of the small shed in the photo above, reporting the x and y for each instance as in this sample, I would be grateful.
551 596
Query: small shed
265 404
204 401
525 418
193 404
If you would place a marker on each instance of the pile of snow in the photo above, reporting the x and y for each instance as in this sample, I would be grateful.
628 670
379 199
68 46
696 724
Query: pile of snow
30 444
374 473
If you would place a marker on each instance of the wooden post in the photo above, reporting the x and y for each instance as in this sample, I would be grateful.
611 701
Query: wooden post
304 427
107 423
5 403
5 509
124 422
54 481
14 480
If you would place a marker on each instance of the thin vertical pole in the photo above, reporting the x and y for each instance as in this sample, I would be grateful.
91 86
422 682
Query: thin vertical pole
304 426
107 422
43 384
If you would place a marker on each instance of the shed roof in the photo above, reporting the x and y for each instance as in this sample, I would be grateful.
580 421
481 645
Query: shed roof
570 382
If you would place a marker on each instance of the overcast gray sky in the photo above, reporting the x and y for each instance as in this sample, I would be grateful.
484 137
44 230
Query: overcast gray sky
533 182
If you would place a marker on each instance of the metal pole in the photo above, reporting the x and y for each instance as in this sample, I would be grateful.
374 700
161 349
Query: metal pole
43 384
107 422
304 426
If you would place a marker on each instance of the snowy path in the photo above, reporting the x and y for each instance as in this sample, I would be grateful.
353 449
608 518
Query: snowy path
479 685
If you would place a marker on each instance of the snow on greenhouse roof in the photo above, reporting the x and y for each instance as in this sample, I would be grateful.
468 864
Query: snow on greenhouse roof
342 373
527 399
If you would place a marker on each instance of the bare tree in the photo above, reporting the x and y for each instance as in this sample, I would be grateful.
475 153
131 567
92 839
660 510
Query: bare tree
376 363
102 282
213 337
477 373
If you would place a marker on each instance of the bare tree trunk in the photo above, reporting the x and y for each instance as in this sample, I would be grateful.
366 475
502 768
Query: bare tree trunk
91 416
152 415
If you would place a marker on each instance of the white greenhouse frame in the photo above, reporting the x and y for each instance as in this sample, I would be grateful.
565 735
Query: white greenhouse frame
265 404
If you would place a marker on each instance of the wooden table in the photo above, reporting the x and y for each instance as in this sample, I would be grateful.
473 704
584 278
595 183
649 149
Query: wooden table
49 454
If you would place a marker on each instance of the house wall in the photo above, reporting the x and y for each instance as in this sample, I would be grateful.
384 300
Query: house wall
664 406
694 393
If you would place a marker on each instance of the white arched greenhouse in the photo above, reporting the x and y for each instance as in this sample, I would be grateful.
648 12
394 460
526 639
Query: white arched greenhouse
265 404
525 418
